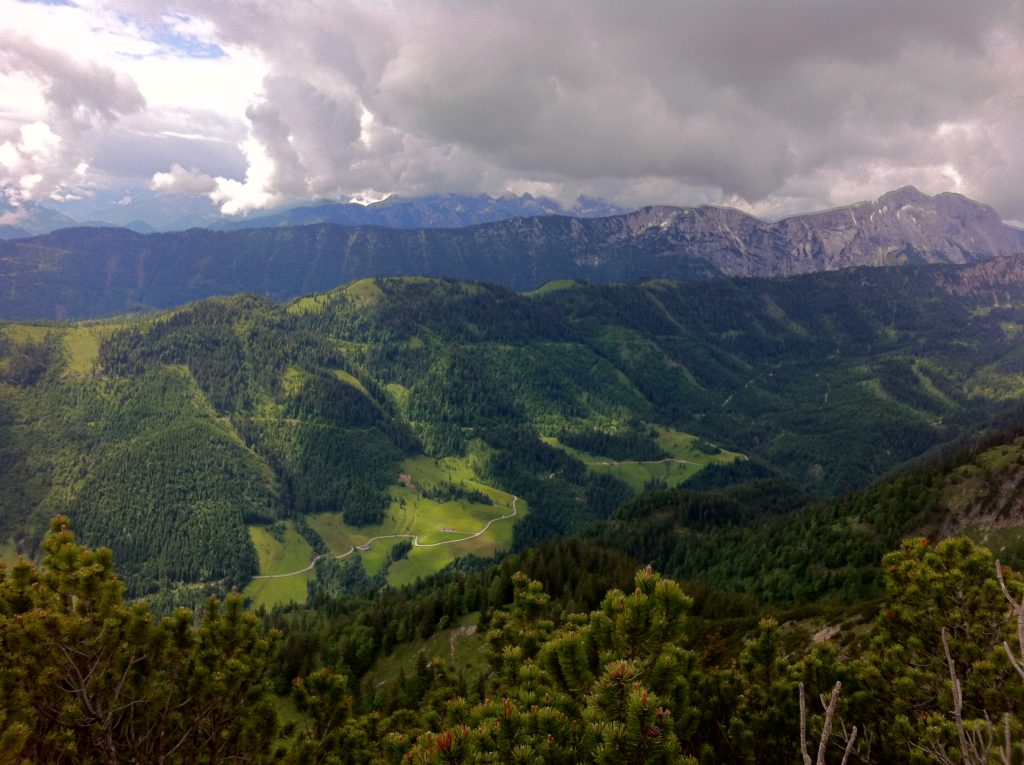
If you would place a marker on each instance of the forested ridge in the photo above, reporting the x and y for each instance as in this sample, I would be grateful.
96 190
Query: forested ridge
235 412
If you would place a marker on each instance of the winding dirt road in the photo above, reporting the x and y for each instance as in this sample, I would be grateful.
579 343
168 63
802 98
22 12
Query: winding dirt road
415 543
644 462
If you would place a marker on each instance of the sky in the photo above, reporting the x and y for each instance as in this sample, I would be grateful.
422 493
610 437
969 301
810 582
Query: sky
773 106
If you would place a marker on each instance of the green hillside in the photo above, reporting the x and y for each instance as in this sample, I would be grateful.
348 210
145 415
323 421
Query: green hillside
765 539
336 413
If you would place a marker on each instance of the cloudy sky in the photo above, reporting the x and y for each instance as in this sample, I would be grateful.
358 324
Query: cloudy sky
775 106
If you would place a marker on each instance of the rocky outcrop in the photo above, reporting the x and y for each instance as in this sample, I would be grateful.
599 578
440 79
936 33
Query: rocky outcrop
901 227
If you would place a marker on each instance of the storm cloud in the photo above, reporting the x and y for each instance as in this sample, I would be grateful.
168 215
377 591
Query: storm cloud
775 107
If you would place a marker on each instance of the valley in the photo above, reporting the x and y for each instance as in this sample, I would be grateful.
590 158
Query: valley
441 532
276 433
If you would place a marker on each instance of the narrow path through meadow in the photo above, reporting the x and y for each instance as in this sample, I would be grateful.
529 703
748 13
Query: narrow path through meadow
644 462
415 543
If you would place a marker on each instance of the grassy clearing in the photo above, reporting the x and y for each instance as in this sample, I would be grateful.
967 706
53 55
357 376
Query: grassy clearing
552 286
364 292
375 558
82 346
26 333
693 452
441 524
441 528
279 557
273 592
638 476
293 380
309 304
345 377
929 387
423 561
399 393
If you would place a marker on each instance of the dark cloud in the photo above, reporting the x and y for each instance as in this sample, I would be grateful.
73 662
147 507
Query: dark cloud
779 105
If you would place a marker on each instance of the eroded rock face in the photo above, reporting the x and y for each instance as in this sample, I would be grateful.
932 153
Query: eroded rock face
903 226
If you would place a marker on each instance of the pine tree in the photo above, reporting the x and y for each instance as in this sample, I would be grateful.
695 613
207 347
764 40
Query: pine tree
86 678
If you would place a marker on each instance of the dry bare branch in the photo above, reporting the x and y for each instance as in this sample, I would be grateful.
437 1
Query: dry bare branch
826 731
1017 660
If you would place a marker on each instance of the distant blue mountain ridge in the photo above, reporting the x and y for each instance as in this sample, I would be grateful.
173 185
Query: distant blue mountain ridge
149 212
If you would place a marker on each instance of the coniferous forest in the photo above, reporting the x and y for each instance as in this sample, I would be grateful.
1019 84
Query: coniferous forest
571 673
741 521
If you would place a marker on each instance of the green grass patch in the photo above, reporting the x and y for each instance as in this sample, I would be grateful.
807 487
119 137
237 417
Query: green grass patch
292 380
379 553
273 592
82 346
399 393
279 557
555 285
689 455
444 531
311 304
423 561
345 377
364 292
929 387
26 333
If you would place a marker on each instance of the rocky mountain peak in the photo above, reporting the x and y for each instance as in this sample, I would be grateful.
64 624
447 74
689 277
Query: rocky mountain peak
905 195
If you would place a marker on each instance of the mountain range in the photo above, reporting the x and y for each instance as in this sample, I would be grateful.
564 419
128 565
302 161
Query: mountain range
435 211
148 212
90 272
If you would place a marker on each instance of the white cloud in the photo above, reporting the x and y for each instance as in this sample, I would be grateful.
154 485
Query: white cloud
775 107
256 191
129 76
178 180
